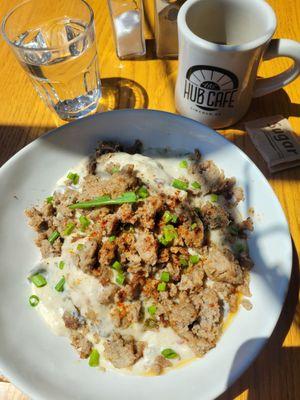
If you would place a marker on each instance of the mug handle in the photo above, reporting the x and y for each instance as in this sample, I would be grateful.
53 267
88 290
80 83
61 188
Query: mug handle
279 48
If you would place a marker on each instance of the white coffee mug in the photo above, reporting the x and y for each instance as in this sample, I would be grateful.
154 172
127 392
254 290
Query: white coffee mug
221 43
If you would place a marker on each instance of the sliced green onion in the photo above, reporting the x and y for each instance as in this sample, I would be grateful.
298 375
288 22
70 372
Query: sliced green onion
169 234
169 353
115 169
54 235
183 261
143 192
117 266
69 229
174 219
120 278
38 280
128 197
59 287
73 177
49 199
152 309
193 226
168 217
112 238
194 259
161 287
233 229
179 184
196 185
34 300
84 222
183 164
61 265
80 246
165 276
163 241
214 197
94 358
239 247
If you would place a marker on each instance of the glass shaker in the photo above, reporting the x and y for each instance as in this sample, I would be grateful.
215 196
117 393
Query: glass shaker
127 18
166 35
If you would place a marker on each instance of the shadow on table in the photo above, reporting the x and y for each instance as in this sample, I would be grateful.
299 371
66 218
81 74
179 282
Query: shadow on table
276 103
120 93
274 374
14 137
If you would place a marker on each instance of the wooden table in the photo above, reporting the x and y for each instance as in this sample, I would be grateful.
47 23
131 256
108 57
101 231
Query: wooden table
275 375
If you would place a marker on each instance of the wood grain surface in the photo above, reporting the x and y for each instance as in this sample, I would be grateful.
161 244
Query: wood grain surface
149 83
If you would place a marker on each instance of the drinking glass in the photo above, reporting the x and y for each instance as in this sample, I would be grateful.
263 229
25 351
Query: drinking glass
54 42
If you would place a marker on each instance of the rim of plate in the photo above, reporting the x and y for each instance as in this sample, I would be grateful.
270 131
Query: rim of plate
29 390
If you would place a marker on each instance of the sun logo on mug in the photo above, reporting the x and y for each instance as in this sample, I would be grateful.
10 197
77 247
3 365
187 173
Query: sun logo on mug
210 88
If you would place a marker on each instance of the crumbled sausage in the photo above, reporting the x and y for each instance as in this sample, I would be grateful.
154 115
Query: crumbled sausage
104 274
40 220
238 194
192 237
125 314
247 224
110 223
107 253
47 249
107 294
164 255
146 245
221 266
125 214
71 321
213 177
247 304
122 351
182 314
206 330
92 187
62 201
192 279
174 269
245 261
120 182
136 148
103 148
147 212
126 248
86 256
159 364
214 216
81 344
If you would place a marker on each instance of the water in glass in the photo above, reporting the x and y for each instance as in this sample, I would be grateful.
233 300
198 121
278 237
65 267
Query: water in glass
62 64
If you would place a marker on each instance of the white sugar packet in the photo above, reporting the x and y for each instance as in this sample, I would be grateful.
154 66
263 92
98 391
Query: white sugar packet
276 141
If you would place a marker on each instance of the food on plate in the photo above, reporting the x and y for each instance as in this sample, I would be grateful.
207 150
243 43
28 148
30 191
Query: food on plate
144 257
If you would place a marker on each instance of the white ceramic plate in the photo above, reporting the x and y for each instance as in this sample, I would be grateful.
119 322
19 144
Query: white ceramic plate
45 366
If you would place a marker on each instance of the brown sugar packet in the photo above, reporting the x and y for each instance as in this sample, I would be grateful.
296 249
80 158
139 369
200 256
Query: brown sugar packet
276 141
